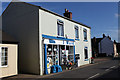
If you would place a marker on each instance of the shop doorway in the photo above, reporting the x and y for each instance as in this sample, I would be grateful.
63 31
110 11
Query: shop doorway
58 55
66 54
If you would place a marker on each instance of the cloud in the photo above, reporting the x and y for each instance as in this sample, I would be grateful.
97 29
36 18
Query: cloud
117 15
113 33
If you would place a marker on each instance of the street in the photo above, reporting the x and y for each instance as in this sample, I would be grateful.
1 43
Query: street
108 69
100 70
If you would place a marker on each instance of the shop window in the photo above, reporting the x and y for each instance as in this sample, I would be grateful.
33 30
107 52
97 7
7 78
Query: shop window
76 33
60 28
85 34
86 53
4 56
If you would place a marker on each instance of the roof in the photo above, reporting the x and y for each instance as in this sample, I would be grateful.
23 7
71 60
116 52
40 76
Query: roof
51 13
97 40
6 38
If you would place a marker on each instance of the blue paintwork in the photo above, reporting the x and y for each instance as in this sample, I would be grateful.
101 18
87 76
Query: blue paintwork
74 52
77 39
86 47
46 72
57 38
86 40
86 60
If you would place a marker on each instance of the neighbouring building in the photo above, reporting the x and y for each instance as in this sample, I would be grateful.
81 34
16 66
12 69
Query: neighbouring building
118 48
46 38
103 46
8 55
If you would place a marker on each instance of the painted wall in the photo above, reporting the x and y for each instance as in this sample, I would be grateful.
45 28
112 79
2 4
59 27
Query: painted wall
12 68
106 46
115 49
48 26
21 21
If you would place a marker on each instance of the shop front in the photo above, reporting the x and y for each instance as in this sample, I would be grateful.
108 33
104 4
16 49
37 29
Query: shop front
58 52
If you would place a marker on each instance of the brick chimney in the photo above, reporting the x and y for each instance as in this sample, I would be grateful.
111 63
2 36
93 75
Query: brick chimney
94 39
67 14
109 37
104 35
115 41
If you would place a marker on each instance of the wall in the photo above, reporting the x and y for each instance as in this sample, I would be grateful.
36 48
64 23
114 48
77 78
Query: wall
115 49
48 26
106 46
20 20
11 69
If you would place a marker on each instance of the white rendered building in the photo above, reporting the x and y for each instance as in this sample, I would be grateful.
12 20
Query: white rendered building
46 38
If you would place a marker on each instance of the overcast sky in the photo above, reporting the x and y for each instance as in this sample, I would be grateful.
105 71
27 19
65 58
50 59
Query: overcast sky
102 17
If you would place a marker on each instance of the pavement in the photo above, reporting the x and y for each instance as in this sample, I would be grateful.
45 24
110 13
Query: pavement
104 68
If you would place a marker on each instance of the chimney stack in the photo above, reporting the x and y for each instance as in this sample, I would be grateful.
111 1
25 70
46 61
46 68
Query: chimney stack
68 14
109 37
94 39
104 35
115 42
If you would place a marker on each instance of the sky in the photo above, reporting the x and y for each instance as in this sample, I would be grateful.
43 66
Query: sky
102 17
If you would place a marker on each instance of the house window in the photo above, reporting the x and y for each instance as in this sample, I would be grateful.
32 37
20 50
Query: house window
4 56
76 32
86 53
60 25
85 34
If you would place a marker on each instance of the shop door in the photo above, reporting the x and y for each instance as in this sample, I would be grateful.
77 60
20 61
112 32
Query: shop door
52 56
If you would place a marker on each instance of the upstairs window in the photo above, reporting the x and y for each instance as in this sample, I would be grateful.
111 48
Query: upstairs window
76 32
60 25
86 53
4 56
85 34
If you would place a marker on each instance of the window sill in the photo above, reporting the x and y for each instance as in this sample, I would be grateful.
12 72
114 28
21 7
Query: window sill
60 37
4 66
77 39
85 59
86 40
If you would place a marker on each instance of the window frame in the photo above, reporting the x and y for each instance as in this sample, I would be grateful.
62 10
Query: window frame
4 57
85 56
60 23
85 34
76 32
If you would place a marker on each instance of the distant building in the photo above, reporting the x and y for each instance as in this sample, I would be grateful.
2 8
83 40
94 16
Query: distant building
118 48
95 48
8 55
103 46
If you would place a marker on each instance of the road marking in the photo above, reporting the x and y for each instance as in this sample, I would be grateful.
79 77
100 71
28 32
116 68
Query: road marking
113 67
110 68
93 76
107 69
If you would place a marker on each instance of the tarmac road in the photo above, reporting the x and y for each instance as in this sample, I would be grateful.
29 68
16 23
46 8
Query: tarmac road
104 70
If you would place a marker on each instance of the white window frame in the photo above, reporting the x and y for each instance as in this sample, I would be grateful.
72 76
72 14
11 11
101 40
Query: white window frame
4 56
85 30
76 35
86 48
59 22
